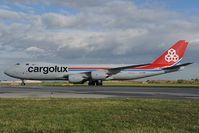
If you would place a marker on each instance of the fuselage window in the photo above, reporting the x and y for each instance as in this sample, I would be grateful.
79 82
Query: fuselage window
27 64
18 64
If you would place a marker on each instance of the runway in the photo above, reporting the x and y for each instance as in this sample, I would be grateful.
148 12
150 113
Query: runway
99 92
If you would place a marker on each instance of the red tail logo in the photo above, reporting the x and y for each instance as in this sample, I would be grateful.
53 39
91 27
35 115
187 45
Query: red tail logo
173 55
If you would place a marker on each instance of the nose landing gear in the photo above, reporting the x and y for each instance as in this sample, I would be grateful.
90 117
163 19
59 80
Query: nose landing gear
23 83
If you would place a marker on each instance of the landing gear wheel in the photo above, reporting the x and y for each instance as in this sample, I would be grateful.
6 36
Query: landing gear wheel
23 83
91 83
99 83
95 83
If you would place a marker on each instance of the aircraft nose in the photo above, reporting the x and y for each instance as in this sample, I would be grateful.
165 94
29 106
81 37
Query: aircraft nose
8 72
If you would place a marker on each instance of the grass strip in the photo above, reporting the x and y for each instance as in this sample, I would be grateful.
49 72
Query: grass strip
99 115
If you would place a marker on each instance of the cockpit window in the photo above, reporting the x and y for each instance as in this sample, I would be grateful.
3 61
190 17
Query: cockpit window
27 64
18 64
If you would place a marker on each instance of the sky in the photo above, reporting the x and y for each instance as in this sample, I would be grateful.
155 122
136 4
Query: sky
97 32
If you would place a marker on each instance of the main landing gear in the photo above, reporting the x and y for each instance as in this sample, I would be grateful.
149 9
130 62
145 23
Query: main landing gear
95 83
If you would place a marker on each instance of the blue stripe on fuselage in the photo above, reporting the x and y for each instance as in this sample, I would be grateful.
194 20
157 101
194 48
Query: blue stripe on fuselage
155 70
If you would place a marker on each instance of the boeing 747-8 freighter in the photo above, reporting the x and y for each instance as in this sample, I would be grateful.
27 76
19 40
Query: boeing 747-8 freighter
94 74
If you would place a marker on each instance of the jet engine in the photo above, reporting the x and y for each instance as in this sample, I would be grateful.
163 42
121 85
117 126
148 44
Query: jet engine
76 78
99 75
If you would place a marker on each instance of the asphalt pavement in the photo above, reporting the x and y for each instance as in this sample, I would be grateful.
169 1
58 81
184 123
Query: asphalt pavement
98 92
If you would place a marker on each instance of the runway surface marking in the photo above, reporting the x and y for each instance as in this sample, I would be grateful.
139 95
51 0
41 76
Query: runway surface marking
99 92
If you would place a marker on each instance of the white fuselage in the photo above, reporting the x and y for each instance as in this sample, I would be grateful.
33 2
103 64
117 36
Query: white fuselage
50 71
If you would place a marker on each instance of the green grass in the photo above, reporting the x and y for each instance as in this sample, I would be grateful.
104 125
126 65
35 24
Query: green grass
99 115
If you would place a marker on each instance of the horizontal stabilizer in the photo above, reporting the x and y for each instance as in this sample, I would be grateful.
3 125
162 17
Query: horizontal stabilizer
177 66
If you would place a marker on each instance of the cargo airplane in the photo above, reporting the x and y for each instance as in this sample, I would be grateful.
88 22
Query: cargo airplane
168 62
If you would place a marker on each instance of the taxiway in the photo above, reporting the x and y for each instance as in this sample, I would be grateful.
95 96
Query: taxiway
98 92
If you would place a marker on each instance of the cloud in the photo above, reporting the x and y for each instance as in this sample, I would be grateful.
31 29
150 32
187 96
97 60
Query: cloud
6 14
70 3
53 20
34 50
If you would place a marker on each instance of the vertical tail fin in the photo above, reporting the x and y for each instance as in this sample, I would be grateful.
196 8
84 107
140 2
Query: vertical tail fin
173 55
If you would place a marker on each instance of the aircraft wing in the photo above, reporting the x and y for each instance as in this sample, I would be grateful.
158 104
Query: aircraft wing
118 69
112 71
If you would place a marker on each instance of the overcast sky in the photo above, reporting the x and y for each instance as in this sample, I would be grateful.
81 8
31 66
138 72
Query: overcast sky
97 31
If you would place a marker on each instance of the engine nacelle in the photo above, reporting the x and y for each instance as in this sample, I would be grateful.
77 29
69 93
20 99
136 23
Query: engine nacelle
76 78
99 75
